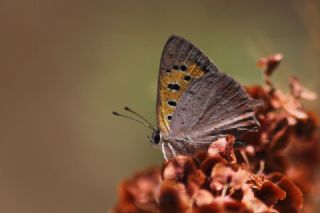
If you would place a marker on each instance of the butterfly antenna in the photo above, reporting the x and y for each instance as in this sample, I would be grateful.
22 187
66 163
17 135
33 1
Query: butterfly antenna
140 116
133 119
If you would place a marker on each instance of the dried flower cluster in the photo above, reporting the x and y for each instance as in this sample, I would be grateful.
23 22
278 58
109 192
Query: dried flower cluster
272 173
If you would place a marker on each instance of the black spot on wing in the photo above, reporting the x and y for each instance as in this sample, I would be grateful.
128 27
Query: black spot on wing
183 67
187 78
172 103
174 87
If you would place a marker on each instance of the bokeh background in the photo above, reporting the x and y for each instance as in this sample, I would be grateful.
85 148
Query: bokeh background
65 65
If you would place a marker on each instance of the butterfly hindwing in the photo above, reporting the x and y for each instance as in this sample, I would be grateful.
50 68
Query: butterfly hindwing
212 105
181 63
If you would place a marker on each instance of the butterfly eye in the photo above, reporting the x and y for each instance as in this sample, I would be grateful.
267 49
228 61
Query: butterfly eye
156 137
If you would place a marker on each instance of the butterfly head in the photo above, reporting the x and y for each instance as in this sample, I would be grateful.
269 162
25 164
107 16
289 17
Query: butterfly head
156 138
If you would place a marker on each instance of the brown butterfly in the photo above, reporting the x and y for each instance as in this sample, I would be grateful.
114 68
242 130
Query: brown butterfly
196 103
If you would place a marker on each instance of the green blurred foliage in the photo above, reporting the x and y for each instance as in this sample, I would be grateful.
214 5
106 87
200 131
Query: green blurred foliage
65 65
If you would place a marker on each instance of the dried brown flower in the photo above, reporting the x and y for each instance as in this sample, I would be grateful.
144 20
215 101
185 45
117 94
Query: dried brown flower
139 193
269 64
272 173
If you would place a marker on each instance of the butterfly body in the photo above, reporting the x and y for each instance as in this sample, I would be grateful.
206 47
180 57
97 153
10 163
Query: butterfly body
197 103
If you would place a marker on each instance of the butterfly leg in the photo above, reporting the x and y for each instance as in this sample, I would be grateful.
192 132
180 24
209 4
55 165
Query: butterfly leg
168 150
164 151
172 150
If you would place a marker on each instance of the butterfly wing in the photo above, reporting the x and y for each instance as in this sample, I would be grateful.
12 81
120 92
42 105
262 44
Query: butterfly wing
181 63
212 105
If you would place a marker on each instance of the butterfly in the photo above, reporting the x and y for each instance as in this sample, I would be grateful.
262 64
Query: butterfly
196 103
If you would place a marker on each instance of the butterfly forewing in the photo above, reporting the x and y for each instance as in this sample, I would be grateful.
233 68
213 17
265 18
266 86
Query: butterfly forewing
181 63
195 100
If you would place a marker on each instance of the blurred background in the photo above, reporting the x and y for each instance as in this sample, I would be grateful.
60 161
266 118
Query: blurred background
66 65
